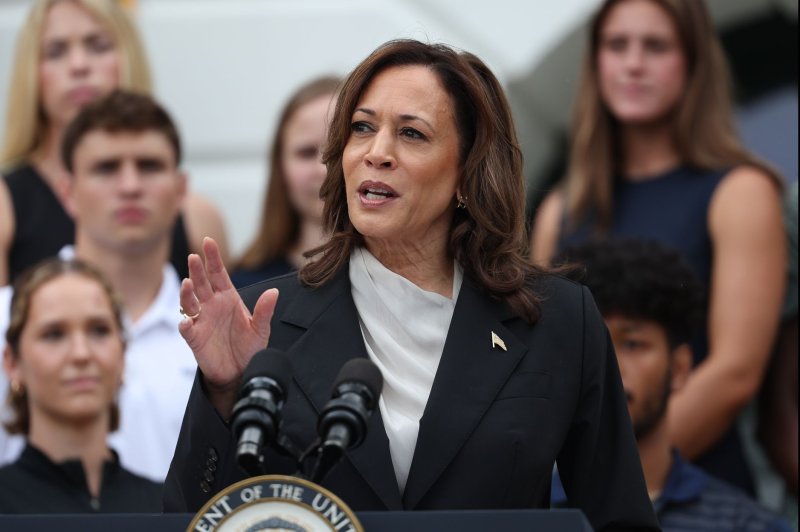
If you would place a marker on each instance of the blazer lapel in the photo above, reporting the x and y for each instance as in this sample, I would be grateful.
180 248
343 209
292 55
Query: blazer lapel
471 373
332 338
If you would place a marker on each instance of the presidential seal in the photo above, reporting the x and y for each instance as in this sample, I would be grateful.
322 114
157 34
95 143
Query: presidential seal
275 502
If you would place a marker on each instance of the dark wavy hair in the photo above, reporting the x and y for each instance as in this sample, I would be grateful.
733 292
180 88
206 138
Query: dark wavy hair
488 238
640 279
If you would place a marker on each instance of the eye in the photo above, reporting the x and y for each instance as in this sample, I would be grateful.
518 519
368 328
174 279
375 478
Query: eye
150 165
412 133
308 152
615 44
106 168
99 43
634 345
656 45
360 127
54 50
53 333
100 330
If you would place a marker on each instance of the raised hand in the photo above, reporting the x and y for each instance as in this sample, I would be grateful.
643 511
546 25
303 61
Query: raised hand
219 328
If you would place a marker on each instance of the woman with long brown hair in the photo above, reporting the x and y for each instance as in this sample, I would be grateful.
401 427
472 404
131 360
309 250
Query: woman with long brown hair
654 154
291 218
492 369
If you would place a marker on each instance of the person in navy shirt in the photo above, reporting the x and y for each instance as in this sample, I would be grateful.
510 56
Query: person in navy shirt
652 304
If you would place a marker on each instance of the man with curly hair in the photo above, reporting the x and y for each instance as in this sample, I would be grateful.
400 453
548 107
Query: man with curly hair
652 305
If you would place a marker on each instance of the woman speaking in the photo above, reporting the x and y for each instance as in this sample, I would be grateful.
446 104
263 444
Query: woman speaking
493 370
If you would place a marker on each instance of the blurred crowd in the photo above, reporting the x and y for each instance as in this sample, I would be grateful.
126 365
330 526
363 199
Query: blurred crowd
686 239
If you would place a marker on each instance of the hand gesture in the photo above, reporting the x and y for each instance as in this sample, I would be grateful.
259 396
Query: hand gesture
219 328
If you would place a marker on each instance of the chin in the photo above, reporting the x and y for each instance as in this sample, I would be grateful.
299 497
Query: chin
637 116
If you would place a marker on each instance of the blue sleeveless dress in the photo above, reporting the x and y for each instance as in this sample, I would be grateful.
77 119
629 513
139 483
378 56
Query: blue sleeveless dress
672 208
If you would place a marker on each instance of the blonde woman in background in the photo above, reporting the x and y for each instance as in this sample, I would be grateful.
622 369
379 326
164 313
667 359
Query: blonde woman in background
654 154
69 52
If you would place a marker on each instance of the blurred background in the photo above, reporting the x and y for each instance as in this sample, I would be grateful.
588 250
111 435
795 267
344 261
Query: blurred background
224 68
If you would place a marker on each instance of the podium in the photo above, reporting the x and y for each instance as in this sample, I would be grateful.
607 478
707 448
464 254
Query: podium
422 521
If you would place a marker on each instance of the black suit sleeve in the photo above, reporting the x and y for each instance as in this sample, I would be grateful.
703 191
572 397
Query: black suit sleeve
204 461
599 462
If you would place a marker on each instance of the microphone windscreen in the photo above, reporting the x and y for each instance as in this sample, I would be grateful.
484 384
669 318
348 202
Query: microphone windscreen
363 371
272 363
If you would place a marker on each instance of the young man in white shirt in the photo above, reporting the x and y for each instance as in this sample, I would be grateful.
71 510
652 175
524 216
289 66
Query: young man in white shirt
124 191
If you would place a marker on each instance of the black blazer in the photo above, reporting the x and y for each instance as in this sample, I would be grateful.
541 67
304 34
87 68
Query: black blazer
494 423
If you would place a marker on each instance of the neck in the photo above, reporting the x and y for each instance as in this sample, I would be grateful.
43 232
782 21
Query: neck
425 264
136 276
649 150
656 455
311 236
47 158
85 441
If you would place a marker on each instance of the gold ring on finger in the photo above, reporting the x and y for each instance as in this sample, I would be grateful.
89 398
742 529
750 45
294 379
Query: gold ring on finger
192 316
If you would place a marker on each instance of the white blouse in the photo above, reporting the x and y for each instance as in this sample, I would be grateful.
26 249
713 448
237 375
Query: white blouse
404 329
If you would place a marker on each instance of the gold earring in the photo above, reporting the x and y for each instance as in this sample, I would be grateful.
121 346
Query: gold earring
461 202
16 388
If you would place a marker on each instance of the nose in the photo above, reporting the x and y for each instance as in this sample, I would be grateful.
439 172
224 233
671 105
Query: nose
80 350
130 182
78 60
381 151
634 57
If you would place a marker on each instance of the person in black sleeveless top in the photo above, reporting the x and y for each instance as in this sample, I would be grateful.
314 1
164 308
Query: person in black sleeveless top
83 49
654 155
65 359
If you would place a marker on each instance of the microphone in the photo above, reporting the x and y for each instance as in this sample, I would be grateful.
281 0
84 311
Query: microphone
342 424
256 416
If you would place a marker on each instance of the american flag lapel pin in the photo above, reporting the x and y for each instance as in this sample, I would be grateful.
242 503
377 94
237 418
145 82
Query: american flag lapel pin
498 342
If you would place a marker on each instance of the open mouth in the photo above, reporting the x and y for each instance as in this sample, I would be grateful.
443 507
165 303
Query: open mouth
372 191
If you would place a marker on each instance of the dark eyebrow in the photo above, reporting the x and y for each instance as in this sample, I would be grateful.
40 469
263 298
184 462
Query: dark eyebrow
151 159
108 161
402 117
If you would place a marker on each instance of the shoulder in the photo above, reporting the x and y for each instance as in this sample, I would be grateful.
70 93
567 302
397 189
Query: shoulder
6 216
567 310
554 288
751 177
745 195
202 218
7 472
725 500
138 482
137 494
288 285
746 183
197 207
201 215
19 175
244 277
